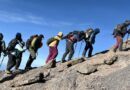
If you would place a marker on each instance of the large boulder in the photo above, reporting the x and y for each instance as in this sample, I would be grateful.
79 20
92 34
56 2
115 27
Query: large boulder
111 60
86 69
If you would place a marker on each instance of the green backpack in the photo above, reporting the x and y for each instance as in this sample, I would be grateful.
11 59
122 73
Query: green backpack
50 40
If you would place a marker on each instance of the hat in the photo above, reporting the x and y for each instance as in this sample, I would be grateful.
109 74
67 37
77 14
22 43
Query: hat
60 34
18 36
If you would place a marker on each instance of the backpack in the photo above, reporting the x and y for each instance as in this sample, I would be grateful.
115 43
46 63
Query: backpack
88 33
50 40
74 36
120 30
12 45
28 43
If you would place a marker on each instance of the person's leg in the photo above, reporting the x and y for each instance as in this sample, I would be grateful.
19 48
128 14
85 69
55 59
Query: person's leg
90 50
31 59
54 53
71 49
66 51
18 61
121 44
50 54
85 50
117 43
11 63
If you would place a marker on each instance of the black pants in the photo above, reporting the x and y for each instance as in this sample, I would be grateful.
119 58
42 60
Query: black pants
69 50
11 62
88 47
18 61
32 57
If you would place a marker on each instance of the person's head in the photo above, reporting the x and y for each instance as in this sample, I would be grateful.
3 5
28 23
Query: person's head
60 34
127 22
1 36
41 36
97 30
18 36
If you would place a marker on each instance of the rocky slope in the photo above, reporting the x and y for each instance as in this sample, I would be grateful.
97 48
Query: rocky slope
104 71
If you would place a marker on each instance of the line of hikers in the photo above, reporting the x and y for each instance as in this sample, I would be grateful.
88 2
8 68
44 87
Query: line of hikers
16 46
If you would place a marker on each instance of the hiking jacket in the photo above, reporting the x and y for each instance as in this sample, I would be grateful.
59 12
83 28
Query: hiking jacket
55 42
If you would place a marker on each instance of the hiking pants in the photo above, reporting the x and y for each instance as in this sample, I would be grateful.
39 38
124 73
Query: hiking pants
11 62
18 61
88 47
69 50
119 43
32 57
53 52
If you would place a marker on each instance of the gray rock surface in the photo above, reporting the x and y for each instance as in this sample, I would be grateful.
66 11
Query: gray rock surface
91 74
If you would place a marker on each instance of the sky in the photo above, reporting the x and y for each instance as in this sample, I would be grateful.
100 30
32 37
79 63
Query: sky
48 17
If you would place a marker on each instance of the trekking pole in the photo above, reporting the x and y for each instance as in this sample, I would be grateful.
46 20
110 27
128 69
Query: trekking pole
127 40
2 61
80 49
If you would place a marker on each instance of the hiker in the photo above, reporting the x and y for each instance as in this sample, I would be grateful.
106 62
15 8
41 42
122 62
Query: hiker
15 50
53 44
71 39
90 40
2 45
119 32
33 44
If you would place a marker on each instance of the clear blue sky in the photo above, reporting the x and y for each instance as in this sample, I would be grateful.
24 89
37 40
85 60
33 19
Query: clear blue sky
48 17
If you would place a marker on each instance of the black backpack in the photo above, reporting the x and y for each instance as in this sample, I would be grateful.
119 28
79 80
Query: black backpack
50 40
12 45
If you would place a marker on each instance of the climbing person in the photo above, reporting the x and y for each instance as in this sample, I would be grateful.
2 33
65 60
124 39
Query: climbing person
2 45
90 40
34 43
53 44
71 39
19 49
119 32
15 50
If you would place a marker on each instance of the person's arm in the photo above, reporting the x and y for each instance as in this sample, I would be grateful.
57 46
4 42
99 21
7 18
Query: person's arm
19 48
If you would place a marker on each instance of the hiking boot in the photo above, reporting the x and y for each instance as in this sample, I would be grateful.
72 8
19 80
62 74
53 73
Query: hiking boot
28 68
114 50
8 72
63 61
